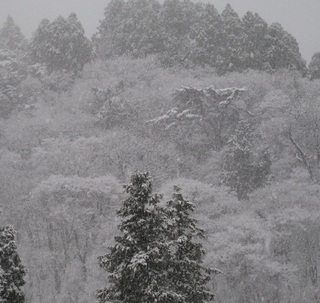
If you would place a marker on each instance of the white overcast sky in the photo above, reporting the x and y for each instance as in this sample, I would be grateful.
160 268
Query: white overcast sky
301 18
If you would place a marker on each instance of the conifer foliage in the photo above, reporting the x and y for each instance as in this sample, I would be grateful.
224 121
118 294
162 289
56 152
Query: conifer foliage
314 66
12 271
156 259
11 37
194 34
61 45
189 277
244 167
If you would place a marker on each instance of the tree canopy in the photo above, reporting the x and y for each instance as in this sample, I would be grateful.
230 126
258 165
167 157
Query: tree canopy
176 99
61 45
188 34
157 257
11 37
314 66
12 271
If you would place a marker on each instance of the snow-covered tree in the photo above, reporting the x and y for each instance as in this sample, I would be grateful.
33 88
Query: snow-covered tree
314 66
63 226
12 72
176 20
283 49
206 114
194 34
232 54
156 258
129 28
244 167
12 271
255 45
12 68
188 276
109 40
11 37
207 36
61 45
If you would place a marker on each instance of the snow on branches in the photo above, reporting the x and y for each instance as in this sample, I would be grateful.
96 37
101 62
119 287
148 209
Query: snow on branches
12 271
214 111
197 103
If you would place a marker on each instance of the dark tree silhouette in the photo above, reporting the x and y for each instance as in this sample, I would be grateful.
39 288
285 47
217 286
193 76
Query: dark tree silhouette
156 259
12 271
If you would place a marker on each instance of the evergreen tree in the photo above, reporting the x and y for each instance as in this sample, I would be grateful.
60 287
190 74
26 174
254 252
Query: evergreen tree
146 38
255 46
231 55
61 45
314 66
12 72
177 20
282 50
12 271
155 258
188 276
208 37
11 37
129 28
202 119
192 34
110 39
244 167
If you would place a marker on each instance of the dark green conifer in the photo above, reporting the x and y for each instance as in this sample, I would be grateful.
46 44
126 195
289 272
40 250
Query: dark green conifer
12 271
155 259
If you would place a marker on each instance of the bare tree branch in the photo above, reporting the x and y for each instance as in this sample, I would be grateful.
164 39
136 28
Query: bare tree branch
303 156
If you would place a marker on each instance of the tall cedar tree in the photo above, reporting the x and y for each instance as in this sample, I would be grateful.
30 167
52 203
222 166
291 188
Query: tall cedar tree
255 46
13 69
12 271
155 259
176 20
188 34
129 28
314 66
208 37
12 72
282 50
232 51
187 275
11 37
244 167
61 45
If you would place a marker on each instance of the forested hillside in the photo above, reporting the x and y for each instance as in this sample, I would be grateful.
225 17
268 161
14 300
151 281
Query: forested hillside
195 34
223 107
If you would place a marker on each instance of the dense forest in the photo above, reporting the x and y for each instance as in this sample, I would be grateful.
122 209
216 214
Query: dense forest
223 107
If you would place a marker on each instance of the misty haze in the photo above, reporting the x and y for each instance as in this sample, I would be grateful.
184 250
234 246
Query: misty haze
172 156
